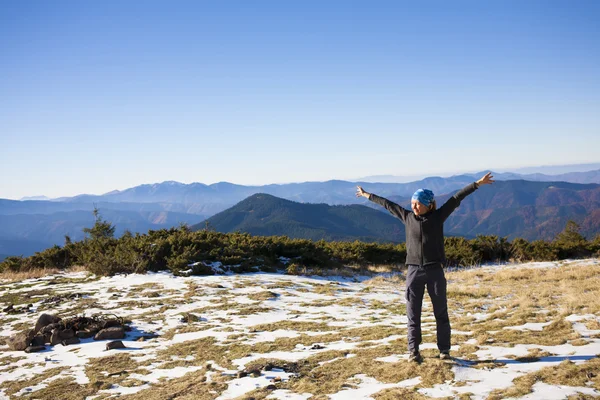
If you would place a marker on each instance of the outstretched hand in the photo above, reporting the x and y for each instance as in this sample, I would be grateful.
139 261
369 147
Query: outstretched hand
361 193
486 180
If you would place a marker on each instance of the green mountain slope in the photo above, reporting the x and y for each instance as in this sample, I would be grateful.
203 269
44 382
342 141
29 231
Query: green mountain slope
263 214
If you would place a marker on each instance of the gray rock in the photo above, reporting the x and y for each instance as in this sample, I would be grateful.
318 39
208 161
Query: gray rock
189 317
38 340
85 334
34 349
49 328
45 320
117 344
116 332
20 341
255 373
58 335
73 340
109 323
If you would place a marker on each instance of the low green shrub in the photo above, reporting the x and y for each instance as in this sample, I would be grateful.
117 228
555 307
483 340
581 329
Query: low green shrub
176 249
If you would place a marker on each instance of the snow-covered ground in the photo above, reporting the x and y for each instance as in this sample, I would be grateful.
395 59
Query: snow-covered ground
232 312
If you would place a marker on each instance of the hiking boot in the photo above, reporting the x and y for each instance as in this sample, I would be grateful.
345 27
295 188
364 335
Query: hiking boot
445 355
415 356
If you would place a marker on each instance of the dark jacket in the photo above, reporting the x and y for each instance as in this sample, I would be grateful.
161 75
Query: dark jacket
425 233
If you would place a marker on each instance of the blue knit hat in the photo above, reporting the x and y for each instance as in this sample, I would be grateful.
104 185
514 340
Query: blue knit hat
424 196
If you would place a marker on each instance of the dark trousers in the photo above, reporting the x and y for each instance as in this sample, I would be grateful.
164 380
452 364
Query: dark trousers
433 278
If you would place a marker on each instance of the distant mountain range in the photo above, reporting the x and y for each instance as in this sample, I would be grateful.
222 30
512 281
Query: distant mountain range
573 177
531 210
32 225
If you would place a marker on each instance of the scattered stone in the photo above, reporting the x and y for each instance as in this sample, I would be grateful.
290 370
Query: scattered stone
34 349
117 344
110 323
45 320
268 367
317 347
116 332
147 337
84 334
255 373
242 374
11 309
271 387
49 328
189 317
38 340
73 340
117 373
20 341
58 335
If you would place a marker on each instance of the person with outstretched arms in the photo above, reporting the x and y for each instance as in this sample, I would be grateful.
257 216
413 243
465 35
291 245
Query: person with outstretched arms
425 258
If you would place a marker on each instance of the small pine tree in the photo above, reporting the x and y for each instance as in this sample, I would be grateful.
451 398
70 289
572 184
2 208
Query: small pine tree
570 243
570 235
208 227
102 229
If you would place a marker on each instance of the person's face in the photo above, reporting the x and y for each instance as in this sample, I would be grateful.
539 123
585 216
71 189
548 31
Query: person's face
418 207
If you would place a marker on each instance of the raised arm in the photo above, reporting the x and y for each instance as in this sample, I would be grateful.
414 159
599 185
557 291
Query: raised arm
454 201
394 209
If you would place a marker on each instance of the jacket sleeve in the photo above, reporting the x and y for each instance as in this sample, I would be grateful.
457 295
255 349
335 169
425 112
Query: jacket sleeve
454 201
394 209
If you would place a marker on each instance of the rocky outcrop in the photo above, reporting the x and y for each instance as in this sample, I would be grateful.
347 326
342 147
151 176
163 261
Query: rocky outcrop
52 330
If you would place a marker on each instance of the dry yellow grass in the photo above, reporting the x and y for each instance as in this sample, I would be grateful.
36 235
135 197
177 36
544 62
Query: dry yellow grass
566 373
333 376
192 386
404 394
262 295
10 276
12 387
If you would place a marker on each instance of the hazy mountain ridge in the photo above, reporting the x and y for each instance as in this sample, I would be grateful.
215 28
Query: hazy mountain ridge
532 210
158 205
26 233
592 176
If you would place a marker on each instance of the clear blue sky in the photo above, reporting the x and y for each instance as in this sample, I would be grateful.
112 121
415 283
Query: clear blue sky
96 96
